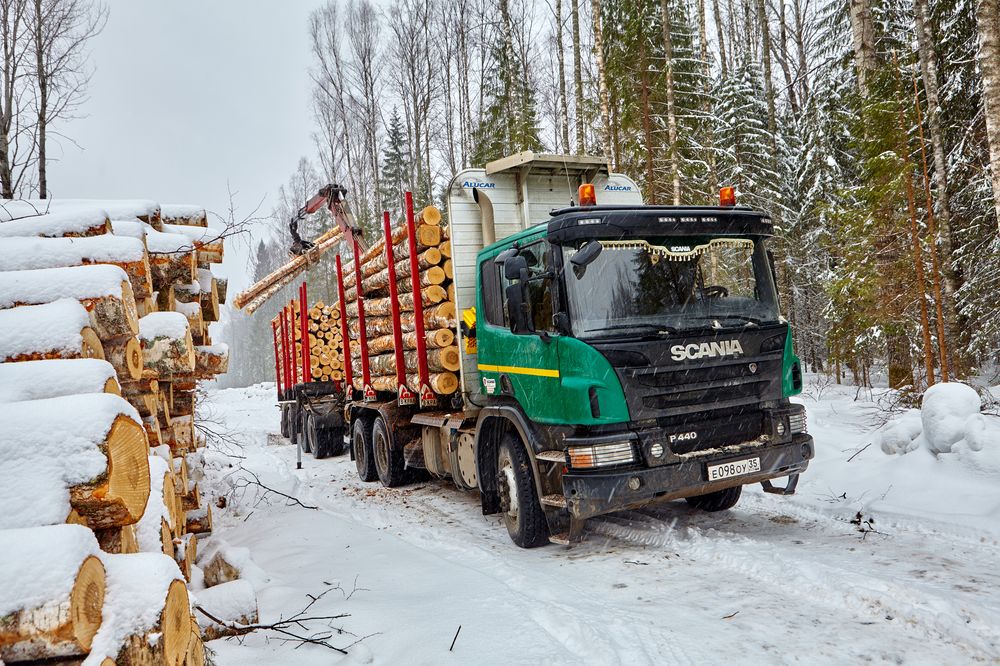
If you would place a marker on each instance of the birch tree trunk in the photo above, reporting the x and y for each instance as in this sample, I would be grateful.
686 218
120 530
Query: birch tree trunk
602 79
563 104
668 48
578 78
765 36
988 20
863 37
713 181
719 34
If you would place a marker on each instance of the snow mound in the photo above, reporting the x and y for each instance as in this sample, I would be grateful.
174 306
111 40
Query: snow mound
155 325
28 580
948 420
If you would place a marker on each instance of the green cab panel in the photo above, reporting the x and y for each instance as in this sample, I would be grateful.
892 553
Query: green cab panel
788 363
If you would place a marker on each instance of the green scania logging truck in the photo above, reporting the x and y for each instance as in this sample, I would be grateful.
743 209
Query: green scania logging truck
613 354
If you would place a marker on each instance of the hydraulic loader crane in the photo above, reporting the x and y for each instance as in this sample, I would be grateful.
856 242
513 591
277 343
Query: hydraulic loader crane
304 252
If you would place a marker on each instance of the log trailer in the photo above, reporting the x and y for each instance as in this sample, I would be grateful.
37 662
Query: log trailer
610 353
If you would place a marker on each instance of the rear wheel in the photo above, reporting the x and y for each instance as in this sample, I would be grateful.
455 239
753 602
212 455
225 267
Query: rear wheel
328 442
361 442
720 500
293 424
522 513
388 462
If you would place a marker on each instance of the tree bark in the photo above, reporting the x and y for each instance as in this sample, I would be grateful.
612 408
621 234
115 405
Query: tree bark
602 79
719 33
863 34
563 102
577 78
668 48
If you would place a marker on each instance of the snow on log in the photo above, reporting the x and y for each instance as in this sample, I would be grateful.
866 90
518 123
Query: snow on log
147 612
22 254
205 293
172 258
206 241
146 210
159 522
87 453
199 521
167 347
103 290
119 540
184 214
233 603
193 313
54 588
224 563
36 380
60 329
211 359
130 228
86 222
223 287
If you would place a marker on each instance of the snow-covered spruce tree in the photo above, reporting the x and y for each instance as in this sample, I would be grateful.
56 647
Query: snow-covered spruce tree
396 164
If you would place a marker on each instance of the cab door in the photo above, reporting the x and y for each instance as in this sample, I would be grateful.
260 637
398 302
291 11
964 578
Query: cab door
522 366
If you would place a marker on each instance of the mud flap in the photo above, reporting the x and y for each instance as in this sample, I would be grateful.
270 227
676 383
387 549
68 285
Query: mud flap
789 489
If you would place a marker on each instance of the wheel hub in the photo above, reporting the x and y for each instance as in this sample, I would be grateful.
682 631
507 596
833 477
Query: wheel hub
508 490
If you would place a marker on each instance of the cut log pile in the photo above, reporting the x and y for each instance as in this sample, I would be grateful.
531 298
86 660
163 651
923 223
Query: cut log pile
104 315
436 294
325 342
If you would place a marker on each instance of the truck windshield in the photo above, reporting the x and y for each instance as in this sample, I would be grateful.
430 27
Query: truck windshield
671 284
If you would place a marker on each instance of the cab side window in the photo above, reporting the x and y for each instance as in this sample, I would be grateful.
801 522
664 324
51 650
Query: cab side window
493 300
538 256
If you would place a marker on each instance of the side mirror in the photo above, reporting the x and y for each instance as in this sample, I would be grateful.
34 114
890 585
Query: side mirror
505 255
515 268
518 308
586 254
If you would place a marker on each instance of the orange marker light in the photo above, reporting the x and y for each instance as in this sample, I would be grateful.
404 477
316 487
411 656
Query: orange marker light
586 195
727 196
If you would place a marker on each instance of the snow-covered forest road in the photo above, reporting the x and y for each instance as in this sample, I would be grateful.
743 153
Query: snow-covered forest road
775 580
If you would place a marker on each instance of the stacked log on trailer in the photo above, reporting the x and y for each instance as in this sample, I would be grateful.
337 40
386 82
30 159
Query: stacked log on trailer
371 318
104 316
325 342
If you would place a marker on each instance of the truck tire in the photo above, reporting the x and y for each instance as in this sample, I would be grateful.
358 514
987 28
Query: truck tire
519 506
312 435
304 419
389 463
361 442
328 442
720 500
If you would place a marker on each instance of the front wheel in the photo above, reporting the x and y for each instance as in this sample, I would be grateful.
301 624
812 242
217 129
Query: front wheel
388 462
522 513
720 500
361 442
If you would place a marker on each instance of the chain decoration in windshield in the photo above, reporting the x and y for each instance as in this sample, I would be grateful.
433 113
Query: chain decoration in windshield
678 252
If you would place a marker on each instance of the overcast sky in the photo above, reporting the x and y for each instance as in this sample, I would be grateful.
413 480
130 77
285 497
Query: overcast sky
189 96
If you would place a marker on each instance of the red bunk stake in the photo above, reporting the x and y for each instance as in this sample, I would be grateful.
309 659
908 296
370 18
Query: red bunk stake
346 343
277 361
366 380
304 323
290 313
404 395
427 396
286 369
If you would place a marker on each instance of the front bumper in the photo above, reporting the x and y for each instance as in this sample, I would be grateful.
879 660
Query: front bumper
590 494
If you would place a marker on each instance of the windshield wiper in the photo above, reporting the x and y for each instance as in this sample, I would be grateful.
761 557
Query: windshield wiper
755 321
632 329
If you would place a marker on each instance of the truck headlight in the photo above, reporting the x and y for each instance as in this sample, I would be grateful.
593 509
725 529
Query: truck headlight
601 455
797 422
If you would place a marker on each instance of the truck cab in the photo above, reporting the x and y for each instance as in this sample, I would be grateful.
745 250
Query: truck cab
637 354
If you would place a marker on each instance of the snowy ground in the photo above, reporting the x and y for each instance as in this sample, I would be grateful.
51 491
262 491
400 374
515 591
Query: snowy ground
775 580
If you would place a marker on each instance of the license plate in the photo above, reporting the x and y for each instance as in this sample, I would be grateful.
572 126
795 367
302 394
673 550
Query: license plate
735 468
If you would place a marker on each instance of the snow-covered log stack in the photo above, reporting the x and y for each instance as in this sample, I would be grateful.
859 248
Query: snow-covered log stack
105 308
